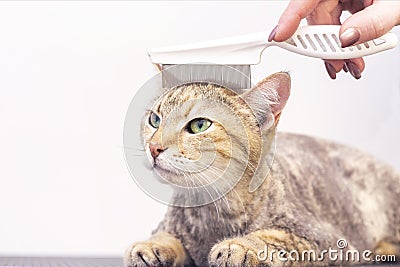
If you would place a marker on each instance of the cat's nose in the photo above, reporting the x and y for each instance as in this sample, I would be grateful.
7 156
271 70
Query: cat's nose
156 149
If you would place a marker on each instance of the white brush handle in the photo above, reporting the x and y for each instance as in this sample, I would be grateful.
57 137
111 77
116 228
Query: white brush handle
320 41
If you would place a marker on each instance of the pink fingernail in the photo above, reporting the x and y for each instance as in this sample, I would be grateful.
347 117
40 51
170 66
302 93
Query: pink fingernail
331 70
349 37
273 33
353 69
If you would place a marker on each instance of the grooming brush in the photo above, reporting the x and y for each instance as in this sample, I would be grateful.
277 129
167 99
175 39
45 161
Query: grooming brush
207 61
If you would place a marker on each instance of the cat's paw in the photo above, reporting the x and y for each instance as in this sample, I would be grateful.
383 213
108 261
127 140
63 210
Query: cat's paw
234 252
150 253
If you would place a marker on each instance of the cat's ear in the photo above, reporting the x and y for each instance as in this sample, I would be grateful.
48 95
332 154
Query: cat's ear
268 98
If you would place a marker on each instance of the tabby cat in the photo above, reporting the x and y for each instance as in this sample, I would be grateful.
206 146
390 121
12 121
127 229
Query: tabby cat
316 193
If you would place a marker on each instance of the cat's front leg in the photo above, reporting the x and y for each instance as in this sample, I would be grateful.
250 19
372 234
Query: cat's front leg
162 249
249 250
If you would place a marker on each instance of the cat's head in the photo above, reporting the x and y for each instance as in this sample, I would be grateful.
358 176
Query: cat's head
196 133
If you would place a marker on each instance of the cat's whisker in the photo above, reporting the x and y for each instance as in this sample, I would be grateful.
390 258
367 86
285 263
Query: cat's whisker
224 198
218 173
244 209
198 177
194 184
234 191
215 205
215 189
214 168
186 180
188 187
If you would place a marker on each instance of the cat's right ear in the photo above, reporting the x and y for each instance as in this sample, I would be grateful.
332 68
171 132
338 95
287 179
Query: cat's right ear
268 98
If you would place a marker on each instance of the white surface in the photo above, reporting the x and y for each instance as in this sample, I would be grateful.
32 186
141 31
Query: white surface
68 71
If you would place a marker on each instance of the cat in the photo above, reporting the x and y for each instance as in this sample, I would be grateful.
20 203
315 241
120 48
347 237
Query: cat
316 193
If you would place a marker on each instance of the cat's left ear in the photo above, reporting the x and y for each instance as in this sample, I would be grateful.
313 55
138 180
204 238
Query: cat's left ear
268 98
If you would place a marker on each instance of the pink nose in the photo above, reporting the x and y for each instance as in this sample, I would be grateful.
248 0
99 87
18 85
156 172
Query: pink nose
156 149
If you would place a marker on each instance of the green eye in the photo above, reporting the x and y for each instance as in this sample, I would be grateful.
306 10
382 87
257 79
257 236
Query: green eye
198 125
154 120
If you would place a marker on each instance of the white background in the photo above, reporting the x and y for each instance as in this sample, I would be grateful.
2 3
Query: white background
68 71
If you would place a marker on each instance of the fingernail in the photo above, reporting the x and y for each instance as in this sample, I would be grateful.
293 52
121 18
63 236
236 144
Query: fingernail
349 37
272 34
353 69
331 70
345 68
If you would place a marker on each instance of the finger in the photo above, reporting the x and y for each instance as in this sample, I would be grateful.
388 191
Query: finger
354 6
355 66
368 2
333 67
291 17
359 62
370 23
326 13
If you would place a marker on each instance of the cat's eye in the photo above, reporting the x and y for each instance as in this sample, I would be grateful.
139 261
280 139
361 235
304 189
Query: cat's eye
154 120
198 125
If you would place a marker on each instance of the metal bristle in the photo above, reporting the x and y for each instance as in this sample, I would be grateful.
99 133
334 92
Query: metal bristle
230 76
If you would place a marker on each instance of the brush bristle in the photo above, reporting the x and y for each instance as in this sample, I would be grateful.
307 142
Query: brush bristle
230 76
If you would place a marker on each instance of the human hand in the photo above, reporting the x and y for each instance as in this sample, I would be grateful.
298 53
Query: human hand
371 19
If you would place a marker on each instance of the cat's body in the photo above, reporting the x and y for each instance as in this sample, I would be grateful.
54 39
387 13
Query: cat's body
316 193
317 189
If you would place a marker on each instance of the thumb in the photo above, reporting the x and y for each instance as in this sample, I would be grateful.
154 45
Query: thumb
291 17
370 23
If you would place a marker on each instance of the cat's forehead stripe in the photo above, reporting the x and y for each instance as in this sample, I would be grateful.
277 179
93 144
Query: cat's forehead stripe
177 96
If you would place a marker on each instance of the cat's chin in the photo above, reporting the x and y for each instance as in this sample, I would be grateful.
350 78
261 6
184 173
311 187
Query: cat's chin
162 171
166 176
